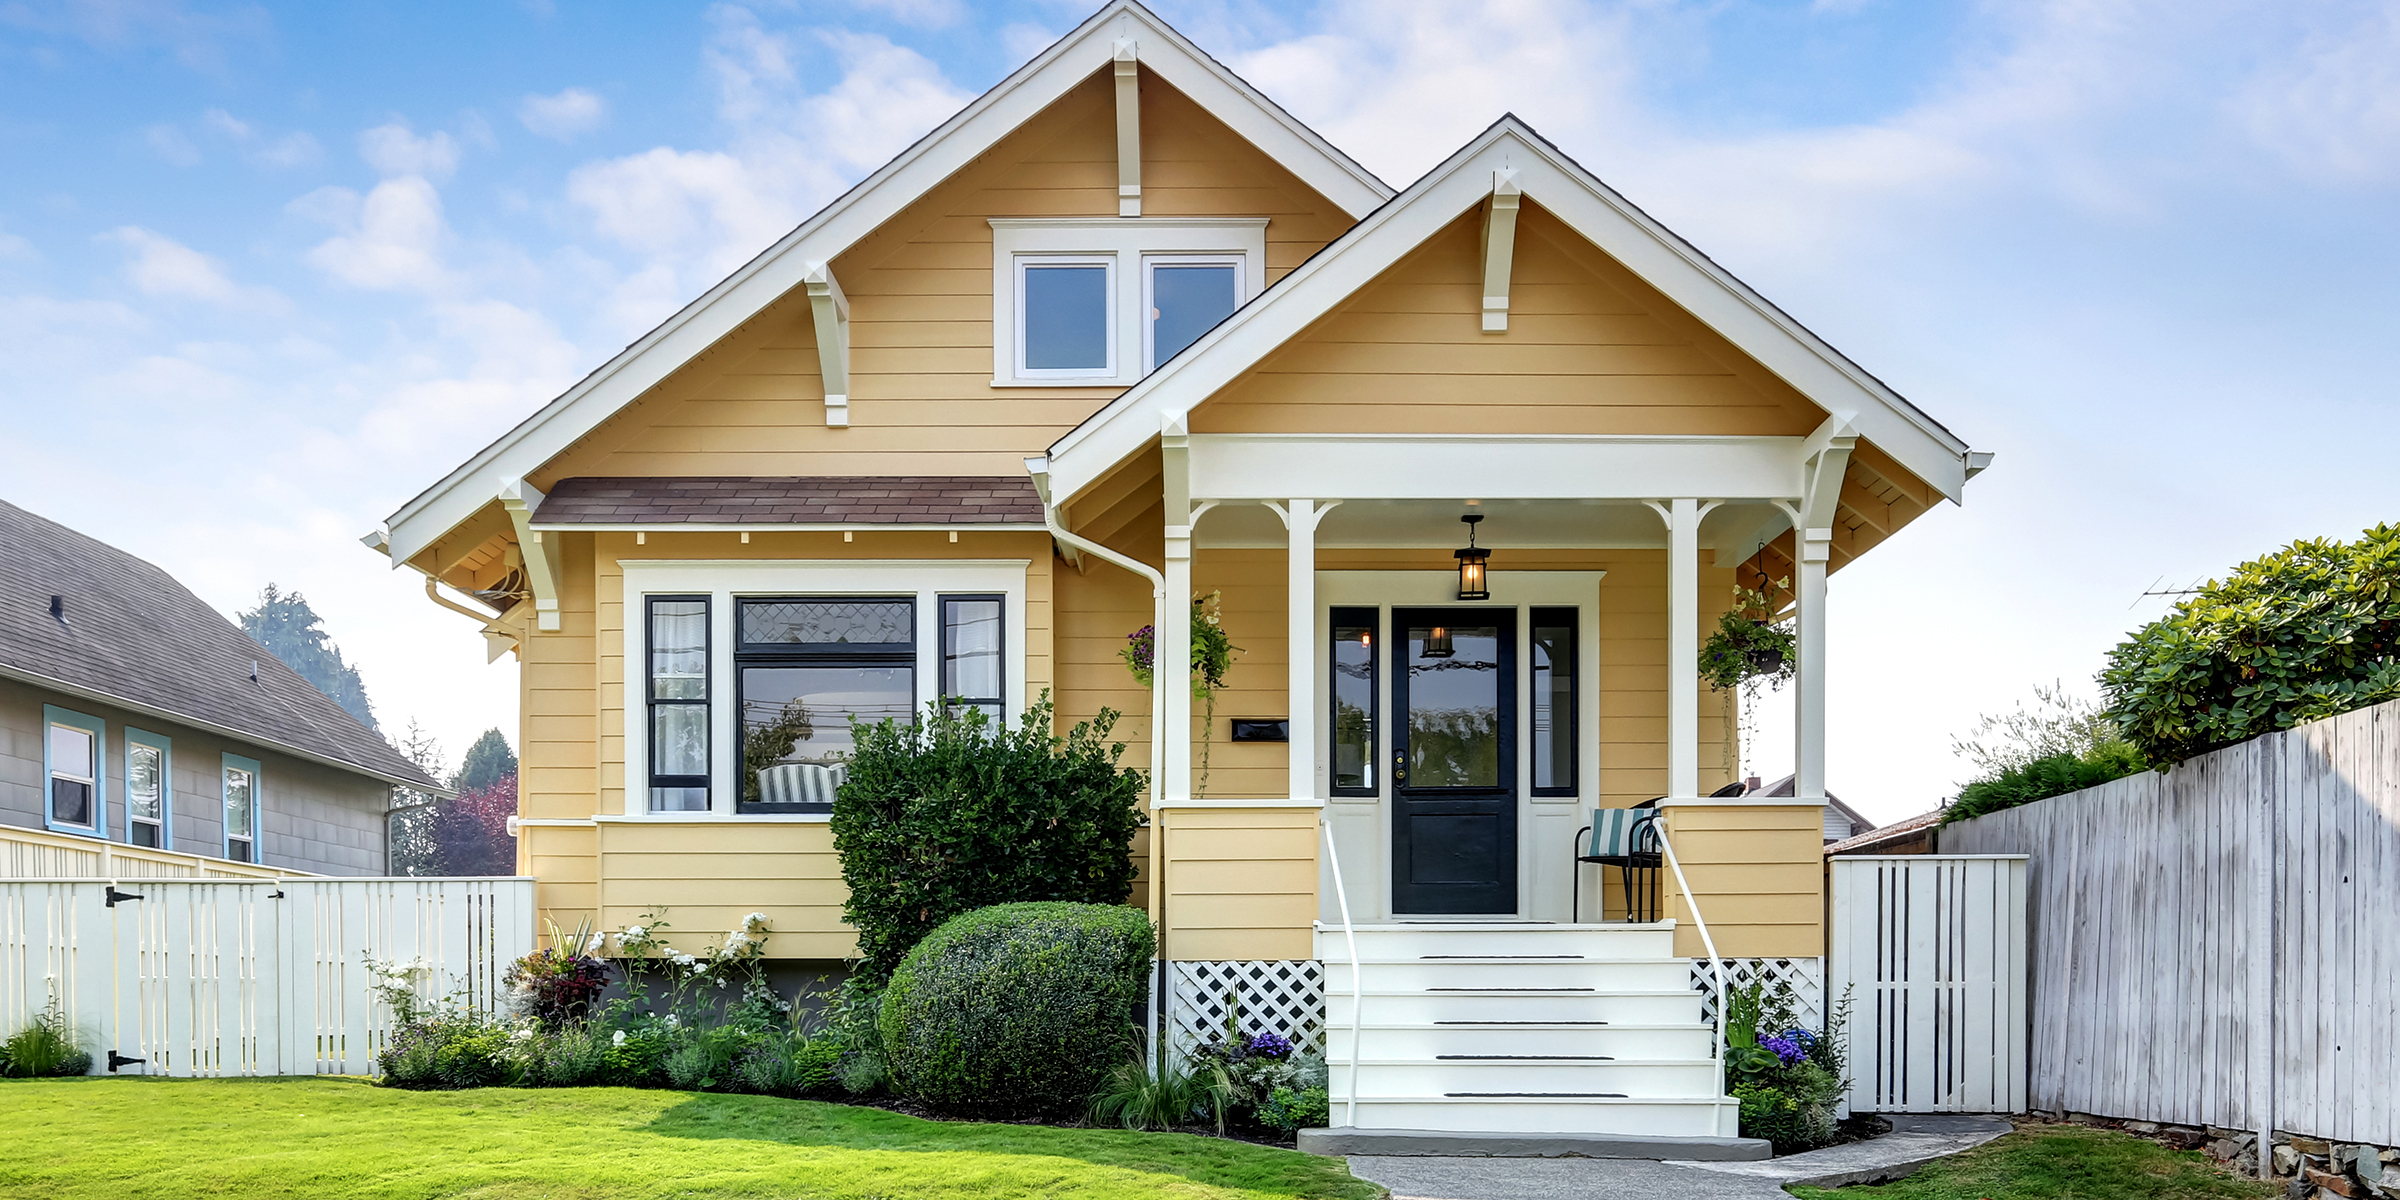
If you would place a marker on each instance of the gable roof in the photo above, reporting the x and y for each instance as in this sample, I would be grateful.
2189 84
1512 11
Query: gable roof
1589 207
132 637
859 212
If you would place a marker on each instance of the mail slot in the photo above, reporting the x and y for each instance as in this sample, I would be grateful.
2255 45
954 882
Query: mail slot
1262 729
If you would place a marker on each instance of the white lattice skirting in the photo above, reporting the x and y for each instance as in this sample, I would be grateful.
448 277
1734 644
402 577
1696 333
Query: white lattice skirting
1804 976
1279 997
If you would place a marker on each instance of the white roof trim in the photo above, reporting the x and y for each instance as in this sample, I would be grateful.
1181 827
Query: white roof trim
1588 206
861 210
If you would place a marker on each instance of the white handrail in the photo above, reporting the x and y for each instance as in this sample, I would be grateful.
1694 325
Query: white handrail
1716 965
1357 996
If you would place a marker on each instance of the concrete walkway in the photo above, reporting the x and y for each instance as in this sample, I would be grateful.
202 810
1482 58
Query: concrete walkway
1913 1142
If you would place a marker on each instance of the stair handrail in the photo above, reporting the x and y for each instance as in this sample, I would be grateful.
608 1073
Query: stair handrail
1358 996
1716 965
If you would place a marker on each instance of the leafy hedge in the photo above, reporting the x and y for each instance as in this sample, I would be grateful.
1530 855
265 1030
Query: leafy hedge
2054 775
1017 1009
2307 632
949 815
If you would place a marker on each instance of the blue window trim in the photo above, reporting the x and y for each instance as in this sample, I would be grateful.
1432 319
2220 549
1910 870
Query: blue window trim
258 805
54 715
166 783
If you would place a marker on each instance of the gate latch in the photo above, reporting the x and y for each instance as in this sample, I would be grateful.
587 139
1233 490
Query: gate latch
115 1059
113 896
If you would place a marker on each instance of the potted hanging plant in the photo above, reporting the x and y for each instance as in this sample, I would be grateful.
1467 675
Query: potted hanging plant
1212 657
1751 644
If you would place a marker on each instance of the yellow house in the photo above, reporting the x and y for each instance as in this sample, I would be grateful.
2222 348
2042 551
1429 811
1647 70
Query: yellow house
1122 333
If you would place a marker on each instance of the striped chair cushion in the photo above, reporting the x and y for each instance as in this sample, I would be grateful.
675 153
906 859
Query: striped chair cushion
1622 833
799 783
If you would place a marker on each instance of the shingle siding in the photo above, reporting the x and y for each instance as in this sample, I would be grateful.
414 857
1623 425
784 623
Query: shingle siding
314 818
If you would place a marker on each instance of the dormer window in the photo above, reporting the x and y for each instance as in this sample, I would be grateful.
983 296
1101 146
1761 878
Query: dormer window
1102 301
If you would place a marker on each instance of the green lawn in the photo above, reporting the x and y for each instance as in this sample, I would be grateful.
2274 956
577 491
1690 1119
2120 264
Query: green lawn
2063 1162
265 1138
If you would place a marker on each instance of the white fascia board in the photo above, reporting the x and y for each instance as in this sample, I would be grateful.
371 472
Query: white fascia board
860 211
1251 466
1589 207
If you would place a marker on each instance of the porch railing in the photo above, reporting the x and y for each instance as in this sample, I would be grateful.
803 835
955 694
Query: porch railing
1716 964
1357 992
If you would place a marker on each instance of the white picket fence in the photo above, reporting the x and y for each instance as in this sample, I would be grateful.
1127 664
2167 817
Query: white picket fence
1931 951
2220 944
218 977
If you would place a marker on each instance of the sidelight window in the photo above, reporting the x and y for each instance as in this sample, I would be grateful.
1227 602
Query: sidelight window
1554 717
1355 705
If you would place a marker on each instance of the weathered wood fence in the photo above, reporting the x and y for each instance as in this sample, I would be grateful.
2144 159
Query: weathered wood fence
2220 944
217 977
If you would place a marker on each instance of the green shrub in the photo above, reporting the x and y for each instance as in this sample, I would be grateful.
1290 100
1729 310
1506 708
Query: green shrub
47 1047
637 1057
1143 1093
2305 633
450 1050
949 815
1795 1113
2043 778
1287 1111
786 1064
575 1056
1017 1008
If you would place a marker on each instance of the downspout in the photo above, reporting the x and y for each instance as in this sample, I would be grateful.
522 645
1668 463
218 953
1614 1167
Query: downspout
1038 466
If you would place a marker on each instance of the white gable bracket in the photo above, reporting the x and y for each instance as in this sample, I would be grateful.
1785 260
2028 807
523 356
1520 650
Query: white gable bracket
1824 459
1499 248
1129 129
543 568
832 311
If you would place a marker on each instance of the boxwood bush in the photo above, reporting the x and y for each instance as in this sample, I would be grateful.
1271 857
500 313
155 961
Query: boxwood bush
1016 1009
950 814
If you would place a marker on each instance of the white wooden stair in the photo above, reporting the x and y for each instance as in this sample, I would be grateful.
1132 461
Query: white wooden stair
1520 1028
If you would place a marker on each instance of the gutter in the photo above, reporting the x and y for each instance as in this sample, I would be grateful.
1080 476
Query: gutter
226 731
1038 466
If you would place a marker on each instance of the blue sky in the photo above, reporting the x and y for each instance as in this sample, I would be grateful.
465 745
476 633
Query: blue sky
267 271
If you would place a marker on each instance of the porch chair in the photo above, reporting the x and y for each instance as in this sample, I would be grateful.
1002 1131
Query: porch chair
799 783
1627 839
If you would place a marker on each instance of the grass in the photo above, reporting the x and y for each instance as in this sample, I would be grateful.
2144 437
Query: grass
2063 1162
267 1138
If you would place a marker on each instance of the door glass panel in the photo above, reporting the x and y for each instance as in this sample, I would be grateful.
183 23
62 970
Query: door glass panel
1354 701
1453 706
802 714
1187 300
1554 700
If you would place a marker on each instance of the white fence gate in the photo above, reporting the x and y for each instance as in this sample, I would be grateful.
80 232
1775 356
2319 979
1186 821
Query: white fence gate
1931 950
215 977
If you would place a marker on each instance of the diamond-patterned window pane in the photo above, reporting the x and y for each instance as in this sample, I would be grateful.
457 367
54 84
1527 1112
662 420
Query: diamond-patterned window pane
876 623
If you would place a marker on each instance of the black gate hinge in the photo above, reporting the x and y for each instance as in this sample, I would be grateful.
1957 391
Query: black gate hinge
113 896
116 1060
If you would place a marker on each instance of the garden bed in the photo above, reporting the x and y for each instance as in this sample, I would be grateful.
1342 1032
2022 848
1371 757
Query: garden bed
274 1138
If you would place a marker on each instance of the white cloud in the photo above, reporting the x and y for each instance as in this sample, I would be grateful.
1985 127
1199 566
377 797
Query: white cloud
564 116
390 239
395 149
1022 40
171 145
12 246
290 150
162 266
2334 108
924 14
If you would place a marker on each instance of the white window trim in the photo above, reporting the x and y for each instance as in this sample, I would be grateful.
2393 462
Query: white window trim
1125 242
1108 264
1150 264
725 581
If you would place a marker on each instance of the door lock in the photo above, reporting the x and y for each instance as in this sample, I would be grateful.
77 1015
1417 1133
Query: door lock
1399 766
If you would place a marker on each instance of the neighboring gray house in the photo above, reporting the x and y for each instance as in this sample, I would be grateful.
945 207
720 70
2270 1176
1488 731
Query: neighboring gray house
1841 821
132 713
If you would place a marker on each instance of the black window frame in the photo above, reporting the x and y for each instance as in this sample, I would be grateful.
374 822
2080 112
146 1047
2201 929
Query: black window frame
705 701
1370 618
942 652
1570 619
748 654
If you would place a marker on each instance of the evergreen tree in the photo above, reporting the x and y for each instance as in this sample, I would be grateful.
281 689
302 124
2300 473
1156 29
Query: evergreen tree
488 761
288 628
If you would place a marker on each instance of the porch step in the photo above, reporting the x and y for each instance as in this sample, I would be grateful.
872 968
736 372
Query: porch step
1687 1116
1505 938
1486 1005
1476 1076
1446 971
1432 1039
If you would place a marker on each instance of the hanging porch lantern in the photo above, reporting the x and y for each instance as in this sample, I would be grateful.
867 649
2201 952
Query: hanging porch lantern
1437 643
1470 564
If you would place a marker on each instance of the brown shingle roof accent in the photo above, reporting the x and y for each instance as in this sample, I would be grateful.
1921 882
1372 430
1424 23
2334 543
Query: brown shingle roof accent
791 500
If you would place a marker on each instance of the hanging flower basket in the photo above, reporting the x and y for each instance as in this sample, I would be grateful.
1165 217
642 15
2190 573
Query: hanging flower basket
1751 645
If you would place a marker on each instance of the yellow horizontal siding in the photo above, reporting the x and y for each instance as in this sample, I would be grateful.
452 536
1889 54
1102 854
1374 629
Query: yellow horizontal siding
1758 872
1241 884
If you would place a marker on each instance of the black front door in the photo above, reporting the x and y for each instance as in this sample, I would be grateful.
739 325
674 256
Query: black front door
1454 760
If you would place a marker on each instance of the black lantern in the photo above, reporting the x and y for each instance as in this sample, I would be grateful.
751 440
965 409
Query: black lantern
1437 643
1470 564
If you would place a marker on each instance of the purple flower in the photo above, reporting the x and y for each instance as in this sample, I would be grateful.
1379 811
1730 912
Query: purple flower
1785 1048
1268 1045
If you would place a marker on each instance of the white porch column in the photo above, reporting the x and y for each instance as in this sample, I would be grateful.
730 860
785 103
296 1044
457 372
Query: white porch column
1171 670
1300 519
1808 755
1683 648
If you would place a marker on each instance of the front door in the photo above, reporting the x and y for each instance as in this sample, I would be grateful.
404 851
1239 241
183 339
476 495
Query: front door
1454 761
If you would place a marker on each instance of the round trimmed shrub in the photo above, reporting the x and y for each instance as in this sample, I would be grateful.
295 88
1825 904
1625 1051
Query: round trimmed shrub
1016 1009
